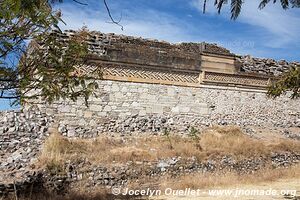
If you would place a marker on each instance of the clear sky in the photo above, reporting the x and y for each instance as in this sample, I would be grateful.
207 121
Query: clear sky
271 32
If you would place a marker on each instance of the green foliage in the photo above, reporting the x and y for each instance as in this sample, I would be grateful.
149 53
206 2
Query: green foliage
52 69
289 82
236 5
194 133
46 68
284 3
21 20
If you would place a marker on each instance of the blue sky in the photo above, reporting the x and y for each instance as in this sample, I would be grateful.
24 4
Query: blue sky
271 32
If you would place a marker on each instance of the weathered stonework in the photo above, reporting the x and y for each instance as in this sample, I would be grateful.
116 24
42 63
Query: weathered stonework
265 66
150 86
238 80
140 107
22 134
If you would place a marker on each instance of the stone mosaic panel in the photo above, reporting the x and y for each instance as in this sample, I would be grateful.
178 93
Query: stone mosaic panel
238 79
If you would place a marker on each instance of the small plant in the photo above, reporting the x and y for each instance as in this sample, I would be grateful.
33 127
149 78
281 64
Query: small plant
167 135
194 135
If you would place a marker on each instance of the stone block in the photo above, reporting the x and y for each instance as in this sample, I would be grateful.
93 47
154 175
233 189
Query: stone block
184 109
92 123
88 114
96 108
124 89
79 113
142 112
102 114
119 95
157 109
71 133
175 109
82 122
171 91
107 88
135 104
115 88
147 96
64 108
107 108
204 111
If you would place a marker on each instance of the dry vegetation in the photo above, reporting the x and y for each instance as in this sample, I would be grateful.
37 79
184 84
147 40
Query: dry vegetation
193 181
213 142
209 144
219 179
100 194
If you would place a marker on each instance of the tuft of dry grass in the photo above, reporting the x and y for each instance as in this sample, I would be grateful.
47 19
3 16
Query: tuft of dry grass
218 179
211 143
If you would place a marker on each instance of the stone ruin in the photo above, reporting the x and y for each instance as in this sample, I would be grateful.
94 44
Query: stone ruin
149 86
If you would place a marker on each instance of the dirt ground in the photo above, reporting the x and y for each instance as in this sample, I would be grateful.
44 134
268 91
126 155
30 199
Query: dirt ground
286 185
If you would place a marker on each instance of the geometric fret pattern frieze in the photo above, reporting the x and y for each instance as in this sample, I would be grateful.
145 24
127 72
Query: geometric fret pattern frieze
152 74
116 70
238 79
134 73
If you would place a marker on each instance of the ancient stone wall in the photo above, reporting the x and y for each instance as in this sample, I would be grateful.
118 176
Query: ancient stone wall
125 107
22 133
265 66
162 54
150 86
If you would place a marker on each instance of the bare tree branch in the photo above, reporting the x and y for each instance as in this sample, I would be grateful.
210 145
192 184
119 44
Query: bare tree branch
9 97
204 6
111 17
85 4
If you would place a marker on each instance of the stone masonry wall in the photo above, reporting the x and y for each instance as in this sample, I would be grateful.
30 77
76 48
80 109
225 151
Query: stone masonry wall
22 133
265 66
126 107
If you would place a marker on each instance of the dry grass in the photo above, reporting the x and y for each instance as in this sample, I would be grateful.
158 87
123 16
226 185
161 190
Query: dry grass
99 194
213 180
213 142
230 140
193 181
